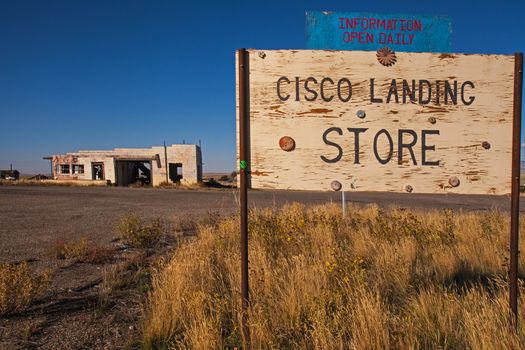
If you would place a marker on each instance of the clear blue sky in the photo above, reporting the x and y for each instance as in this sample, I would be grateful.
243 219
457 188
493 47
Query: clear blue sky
101 74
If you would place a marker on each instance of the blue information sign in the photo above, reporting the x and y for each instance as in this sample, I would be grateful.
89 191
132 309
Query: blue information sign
371 31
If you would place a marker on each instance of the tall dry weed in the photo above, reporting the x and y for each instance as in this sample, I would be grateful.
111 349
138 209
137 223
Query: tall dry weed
19 286
375 279
139 232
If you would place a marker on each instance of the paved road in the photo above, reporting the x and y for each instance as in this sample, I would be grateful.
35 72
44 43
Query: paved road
31 218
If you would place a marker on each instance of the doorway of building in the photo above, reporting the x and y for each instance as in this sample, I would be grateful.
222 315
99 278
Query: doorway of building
175 171
133 172
97 171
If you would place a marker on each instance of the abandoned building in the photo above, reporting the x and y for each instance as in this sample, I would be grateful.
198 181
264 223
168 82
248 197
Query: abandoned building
126 166
10 174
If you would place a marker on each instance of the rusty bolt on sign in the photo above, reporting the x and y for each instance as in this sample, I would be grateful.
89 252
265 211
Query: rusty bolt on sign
287 143
485 145
386 56
432 120
262 54
453 181
409 188
336 185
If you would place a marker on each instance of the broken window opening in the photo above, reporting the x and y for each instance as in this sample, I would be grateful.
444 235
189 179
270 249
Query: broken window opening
175 172
78 169
64 169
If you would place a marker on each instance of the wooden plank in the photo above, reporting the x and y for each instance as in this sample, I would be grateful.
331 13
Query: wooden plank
453 145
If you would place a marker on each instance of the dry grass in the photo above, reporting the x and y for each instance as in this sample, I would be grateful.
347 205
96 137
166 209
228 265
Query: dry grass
19 286
49 182
206 184
129 276
180 186
82 250
138 232
376 279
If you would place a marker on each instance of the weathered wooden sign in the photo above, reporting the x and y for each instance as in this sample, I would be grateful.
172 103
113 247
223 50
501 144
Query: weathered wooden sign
428 123
370 31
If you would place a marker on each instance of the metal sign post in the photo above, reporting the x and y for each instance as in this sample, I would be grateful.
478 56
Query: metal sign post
515 196
343 202
243 185
166 162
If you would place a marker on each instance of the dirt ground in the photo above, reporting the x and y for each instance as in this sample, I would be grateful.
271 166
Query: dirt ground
98 305
75 311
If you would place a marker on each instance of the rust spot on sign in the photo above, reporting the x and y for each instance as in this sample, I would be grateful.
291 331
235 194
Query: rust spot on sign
316 111
454 181
287 143
276 109
476 172
446 55
260 173
336 185
432 109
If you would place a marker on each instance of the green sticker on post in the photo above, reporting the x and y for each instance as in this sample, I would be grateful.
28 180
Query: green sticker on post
243 164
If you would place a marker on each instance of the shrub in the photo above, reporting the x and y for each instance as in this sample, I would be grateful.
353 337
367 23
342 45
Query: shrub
224 178
139 233
63 249
81 250
19 286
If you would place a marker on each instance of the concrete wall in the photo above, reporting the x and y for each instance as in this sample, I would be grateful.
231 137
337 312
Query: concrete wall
188 155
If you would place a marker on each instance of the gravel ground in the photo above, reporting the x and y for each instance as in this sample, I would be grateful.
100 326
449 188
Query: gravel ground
33 217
